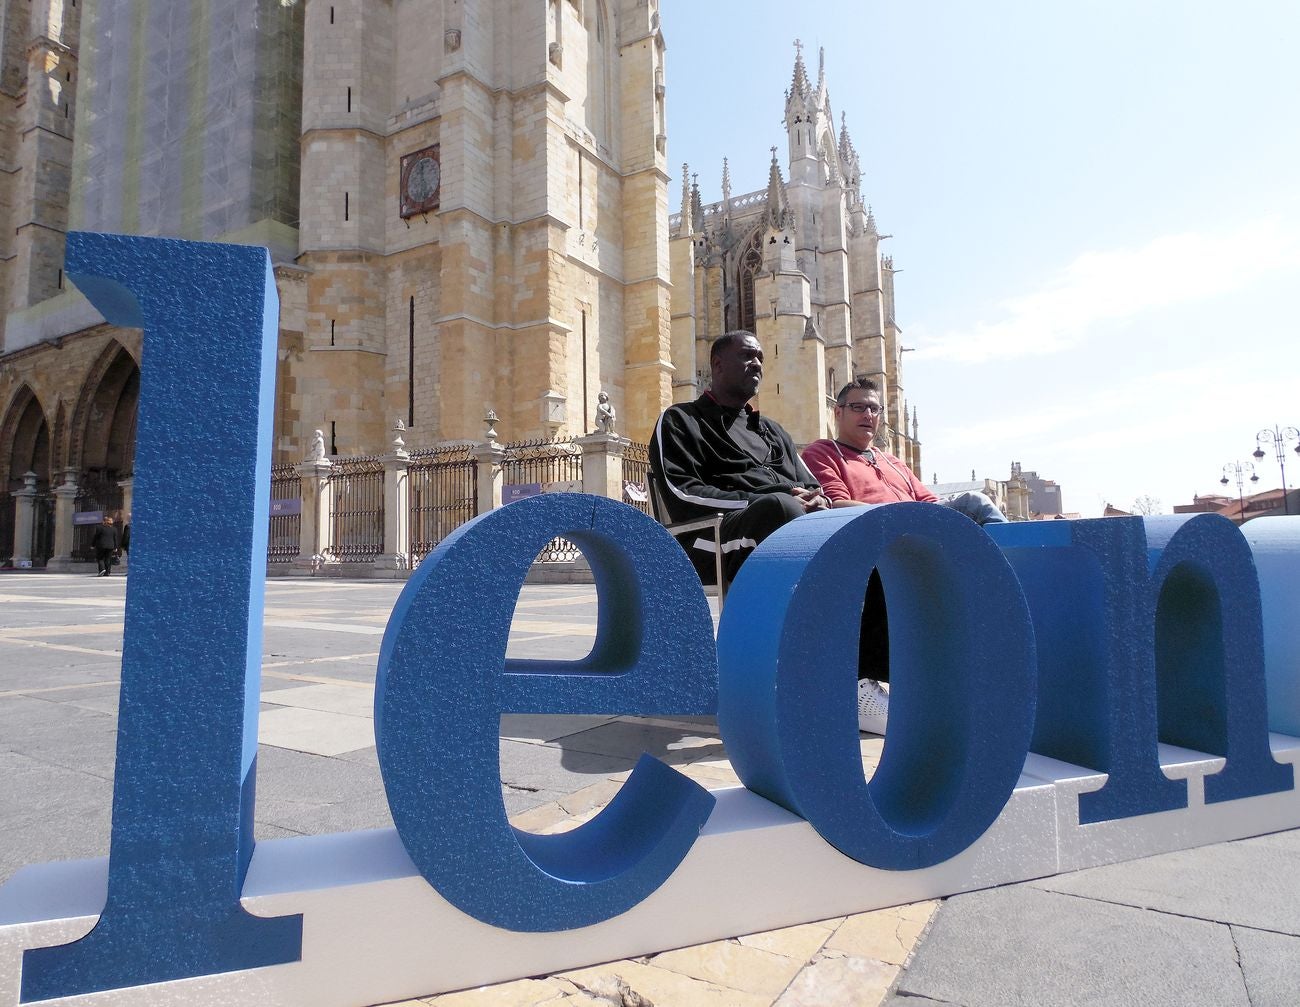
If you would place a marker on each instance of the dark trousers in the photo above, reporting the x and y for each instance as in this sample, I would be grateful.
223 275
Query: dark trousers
873 644
742 530
104 560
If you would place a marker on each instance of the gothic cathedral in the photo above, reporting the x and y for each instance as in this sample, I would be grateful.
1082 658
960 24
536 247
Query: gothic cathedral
467 207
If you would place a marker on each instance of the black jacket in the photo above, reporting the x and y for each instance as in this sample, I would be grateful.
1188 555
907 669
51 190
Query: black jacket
703 469
104 537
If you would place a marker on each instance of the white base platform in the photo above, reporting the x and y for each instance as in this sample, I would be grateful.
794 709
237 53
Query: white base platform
374 931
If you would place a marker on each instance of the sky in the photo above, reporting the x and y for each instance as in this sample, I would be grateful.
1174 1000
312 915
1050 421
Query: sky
1095 209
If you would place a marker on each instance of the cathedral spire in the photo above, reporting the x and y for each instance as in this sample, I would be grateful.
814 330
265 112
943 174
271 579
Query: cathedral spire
687 227
821 70
871 221
847 149
777 210
726 181
799 86
915 426
697 207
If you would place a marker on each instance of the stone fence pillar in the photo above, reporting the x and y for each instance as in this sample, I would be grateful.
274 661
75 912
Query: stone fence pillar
602 464
315 527
489 455
65 505
24 521
396 554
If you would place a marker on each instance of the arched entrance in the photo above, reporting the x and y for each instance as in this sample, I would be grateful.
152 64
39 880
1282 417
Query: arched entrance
26 433
103 450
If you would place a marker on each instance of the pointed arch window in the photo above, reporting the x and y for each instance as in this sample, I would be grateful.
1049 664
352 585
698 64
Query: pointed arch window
751 261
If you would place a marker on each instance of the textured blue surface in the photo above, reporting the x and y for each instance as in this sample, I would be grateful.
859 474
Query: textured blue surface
1209 652
1275 544
1115 601
1093 609
444 681
961 660
191 660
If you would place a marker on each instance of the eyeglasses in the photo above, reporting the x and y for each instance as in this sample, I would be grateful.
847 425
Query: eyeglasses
871 408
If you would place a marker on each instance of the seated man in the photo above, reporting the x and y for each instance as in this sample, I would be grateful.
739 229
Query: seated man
717 454
853 471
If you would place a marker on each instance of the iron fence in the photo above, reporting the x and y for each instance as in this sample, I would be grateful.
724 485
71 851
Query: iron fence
636 465
552 466
283 537
443 485
96 491
43 529
357 523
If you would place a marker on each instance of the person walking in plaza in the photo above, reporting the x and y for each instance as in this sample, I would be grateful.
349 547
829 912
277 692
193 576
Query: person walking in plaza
105 542
717 454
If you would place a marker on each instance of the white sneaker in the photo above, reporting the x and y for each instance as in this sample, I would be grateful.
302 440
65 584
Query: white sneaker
873 706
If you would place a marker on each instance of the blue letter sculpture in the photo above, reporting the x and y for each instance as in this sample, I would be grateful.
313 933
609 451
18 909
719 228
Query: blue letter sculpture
1209 652
961 657
191 662
444 681
1135 646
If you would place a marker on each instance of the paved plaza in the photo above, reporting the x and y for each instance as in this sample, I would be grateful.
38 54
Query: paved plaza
1215 926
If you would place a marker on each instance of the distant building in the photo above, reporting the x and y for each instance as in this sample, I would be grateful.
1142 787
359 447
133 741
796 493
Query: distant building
1044 494
1011 496
1269 503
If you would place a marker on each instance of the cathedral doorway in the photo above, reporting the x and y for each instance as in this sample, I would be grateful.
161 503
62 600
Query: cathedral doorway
104 445
27 433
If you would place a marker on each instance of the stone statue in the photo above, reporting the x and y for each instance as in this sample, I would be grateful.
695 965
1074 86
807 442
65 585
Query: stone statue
317 452
605 415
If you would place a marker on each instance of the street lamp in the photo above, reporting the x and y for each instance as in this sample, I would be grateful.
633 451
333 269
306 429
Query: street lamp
1278 438
1240 470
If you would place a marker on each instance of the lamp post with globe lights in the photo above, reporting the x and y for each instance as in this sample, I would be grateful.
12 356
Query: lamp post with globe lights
1241 471
1280 439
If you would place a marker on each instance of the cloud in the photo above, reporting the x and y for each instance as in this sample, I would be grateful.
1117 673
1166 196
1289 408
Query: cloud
1110 286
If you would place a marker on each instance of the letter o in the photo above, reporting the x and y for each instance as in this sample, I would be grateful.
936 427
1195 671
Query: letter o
962 680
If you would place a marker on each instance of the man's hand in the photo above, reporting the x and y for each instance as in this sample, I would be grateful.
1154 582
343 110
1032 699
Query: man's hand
811 499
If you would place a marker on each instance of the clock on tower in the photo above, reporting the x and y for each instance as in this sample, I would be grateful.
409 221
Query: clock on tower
421 182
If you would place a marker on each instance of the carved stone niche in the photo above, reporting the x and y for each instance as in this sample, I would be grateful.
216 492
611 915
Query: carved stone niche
451 39
557 54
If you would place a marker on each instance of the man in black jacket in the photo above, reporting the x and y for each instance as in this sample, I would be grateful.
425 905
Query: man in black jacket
717 454
105 543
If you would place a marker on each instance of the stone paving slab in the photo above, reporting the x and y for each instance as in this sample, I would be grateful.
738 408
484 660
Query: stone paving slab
628 741
315 731
1271 965
1220 883
1020 946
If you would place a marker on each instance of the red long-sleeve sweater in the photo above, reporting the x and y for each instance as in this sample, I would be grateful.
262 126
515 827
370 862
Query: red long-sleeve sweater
848 474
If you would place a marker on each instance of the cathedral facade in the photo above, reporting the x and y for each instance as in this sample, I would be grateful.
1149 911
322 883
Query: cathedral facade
799 264
467 208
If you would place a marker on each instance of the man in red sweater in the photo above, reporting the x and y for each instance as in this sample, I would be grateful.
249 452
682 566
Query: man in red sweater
852 472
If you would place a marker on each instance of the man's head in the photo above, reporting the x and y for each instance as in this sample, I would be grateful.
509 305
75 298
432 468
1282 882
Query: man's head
858 412
736 363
